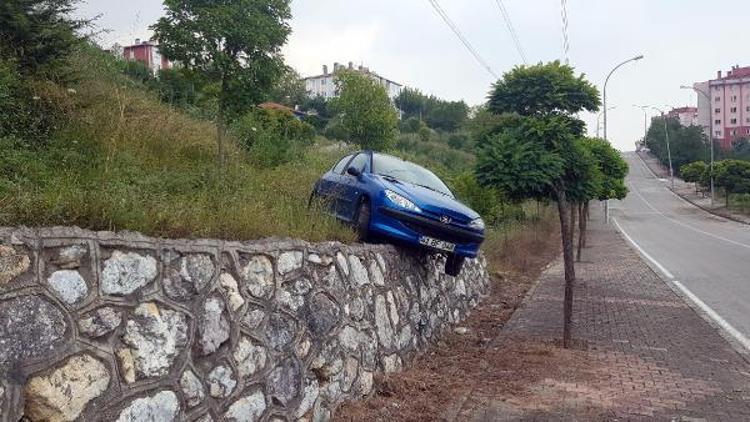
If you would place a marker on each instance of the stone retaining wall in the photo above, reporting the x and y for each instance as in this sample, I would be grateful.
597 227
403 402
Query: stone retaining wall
122 327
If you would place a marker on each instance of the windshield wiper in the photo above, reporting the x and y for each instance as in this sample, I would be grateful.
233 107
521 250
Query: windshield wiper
388 177
430 188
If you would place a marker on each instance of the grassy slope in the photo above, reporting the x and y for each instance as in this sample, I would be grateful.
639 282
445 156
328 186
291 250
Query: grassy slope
127 161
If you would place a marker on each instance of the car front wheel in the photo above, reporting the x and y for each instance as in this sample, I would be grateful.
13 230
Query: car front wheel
454 264
363 221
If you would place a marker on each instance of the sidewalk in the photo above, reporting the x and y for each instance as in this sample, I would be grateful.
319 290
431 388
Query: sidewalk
687 191
642 353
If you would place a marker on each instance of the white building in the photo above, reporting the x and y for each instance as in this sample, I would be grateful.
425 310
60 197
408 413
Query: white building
325 84
687 116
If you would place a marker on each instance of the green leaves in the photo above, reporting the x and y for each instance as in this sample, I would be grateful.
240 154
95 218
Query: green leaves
365 110
694 172
611 170
733 175
536 148
687 144
543 89
235 42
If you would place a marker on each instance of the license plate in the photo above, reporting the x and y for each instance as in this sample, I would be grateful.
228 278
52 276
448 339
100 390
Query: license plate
437 244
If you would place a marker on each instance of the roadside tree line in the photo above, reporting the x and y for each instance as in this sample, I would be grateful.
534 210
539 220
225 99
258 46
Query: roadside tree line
533 147
733 176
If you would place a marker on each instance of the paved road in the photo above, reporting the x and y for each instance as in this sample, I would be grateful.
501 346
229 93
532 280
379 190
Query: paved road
708 255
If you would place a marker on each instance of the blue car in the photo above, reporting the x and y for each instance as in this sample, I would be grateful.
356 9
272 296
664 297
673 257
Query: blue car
388 198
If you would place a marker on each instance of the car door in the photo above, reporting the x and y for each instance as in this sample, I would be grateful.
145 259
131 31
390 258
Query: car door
330 185
353 186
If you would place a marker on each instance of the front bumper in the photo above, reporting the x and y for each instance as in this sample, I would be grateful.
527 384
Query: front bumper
408 228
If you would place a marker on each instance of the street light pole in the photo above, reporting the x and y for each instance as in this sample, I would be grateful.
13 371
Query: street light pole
645 120
599 119
606 81
669 151
710 133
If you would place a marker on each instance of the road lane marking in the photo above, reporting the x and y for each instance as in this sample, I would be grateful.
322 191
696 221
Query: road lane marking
715 236
656 263
713 315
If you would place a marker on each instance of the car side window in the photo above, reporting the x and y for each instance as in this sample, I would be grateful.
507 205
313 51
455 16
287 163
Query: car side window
360 162
339 167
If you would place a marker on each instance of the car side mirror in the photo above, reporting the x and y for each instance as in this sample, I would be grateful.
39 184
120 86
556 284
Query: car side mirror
353 171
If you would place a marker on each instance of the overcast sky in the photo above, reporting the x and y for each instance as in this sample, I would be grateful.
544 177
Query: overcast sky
683 41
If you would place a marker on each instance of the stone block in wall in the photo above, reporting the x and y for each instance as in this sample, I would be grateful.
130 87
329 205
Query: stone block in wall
17 261
68 271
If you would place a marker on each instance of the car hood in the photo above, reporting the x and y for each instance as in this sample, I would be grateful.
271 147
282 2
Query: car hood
430 201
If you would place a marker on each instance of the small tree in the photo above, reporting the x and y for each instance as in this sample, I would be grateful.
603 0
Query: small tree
367 114
694 173
536 154
236 43
39 34
733 176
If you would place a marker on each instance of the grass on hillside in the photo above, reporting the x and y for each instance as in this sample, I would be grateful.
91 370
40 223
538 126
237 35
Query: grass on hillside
128 162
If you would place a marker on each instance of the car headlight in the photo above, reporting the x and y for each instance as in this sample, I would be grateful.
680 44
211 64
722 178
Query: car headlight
477 224
401 201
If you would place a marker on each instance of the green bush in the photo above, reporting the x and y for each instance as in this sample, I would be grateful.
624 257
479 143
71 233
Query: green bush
488 202
425 134
411 125
273 137
31 109
336 130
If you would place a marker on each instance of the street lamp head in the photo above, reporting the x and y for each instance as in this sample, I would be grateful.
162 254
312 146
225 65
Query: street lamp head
638 57
685 87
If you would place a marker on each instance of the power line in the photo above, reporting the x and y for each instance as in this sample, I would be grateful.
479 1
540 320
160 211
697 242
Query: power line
511 29
439 10
566 40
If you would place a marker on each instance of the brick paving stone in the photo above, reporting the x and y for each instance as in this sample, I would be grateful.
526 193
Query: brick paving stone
649 355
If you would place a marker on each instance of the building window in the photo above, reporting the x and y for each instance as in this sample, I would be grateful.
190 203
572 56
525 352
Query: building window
718 133
717 122
733 121
717 99
734 98
717 111
734 133
733 109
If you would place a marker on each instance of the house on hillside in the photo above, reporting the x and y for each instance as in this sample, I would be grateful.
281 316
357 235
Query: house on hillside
324 84
146 52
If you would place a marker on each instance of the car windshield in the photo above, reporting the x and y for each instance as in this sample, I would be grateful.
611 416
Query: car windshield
388 166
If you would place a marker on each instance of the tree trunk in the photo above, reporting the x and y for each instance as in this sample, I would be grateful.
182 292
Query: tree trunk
588 217
573 214
570 275
726 196
582 230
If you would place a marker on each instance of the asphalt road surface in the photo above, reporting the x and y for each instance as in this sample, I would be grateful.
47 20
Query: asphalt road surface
706 256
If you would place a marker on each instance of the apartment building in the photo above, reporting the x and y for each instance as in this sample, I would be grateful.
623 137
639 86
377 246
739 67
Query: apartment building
325 84
727 108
